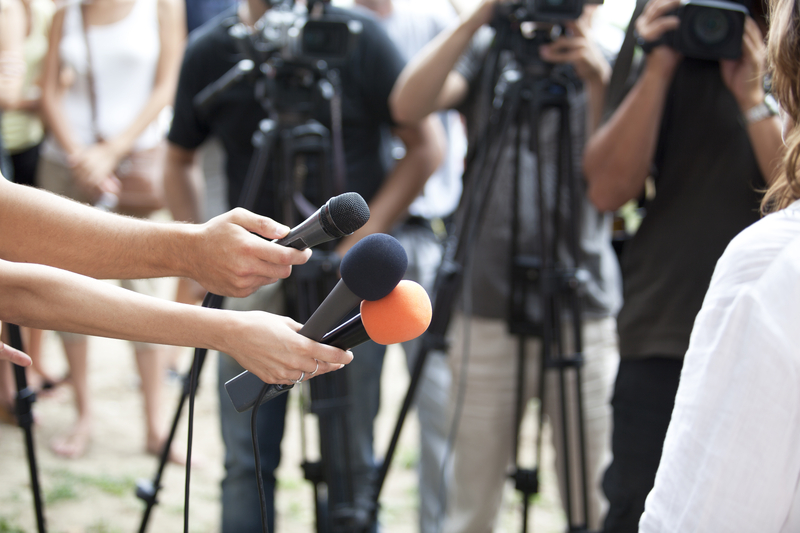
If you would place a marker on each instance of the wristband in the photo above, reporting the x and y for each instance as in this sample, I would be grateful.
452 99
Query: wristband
761 111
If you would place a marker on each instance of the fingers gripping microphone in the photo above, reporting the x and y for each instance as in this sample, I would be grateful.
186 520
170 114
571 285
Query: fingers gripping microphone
340 216
402 315
370 270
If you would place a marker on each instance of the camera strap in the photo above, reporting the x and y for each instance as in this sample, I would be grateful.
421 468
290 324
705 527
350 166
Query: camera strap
339 181
618 85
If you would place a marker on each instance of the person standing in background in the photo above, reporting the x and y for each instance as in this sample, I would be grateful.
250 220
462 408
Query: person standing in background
448 74
110 72
704 132
411 25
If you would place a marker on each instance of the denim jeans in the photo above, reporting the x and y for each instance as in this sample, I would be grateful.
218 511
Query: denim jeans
240 503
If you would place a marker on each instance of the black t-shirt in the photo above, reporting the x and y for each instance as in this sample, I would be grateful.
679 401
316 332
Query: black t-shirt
707 181
234 115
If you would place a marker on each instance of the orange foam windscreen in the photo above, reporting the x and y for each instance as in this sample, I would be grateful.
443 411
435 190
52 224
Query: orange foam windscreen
402 315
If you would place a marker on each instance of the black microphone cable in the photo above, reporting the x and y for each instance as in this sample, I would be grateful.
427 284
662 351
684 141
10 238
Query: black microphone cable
262 495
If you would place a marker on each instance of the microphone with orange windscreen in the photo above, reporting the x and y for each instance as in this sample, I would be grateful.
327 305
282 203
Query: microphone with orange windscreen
404 314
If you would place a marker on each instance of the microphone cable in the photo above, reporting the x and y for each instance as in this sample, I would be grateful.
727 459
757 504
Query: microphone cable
262 496
210 301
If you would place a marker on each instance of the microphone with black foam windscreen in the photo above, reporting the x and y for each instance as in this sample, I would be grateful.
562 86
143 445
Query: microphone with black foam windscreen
402 315
370 270
340 216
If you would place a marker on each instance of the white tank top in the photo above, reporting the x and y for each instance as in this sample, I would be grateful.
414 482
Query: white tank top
124 57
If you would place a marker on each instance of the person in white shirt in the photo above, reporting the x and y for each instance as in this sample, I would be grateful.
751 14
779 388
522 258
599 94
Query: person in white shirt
730 460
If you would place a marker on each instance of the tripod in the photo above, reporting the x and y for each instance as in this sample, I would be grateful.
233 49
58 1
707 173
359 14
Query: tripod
24 403
296 152
516 96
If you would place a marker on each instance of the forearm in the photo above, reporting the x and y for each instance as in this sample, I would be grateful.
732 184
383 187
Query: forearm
92 242
425 146
267 345
419 88
50 298
183 184
618 156
765 138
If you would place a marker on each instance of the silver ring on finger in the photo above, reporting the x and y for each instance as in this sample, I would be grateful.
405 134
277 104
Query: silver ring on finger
315 370
300 379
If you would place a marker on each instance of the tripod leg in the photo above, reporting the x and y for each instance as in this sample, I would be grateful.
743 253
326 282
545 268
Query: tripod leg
24 401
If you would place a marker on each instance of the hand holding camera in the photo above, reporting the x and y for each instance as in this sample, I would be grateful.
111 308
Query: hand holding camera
744 76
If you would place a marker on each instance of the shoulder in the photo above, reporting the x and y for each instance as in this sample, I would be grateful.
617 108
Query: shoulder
753 253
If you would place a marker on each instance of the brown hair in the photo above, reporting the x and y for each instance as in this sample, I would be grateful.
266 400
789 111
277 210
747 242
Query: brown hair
783 52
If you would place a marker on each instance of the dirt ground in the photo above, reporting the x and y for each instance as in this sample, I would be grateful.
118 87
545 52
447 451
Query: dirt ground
96 493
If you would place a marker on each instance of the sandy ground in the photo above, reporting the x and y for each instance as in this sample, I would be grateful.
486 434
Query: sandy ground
96 493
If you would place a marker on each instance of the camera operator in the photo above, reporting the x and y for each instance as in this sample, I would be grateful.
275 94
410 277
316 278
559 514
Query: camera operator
446 74
367 77
702 130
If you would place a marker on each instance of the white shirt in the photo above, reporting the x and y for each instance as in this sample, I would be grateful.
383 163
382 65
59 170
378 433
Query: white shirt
125 57
731 459
411 27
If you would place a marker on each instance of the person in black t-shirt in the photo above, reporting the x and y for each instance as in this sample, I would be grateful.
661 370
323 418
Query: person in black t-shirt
702 131
233 116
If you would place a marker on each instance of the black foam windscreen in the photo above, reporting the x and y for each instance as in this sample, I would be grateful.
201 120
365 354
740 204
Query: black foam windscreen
348 211
374 266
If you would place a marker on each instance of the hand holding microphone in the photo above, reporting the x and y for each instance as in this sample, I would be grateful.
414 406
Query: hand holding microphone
370 270
226 259
402 315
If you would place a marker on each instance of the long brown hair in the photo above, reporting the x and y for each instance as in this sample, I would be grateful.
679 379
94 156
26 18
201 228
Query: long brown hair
783 52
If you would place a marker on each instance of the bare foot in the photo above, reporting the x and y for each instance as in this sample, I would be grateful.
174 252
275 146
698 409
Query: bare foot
74 444
176 455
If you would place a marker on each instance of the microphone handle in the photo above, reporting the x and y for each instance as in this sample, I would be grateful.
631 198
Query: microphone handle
337 305
243 390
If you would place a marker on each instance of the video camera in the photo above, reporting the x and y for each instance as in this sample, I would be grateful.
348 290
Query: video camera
553 11
709 29
295 34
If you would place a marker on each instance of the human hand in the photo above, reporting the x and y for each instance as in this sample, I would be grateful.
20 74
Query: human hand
13 355
579 50
269 346
93 169
651 26
227 259
744 76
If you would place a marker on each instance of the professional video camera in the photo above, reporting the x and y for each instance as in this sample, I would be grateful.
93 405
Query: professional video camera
297 34
709 29
553 11
291 53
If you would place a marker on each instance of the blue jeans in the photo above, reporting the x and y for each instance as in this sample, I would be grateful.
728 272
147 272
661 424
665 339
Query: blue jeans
433 390
240 504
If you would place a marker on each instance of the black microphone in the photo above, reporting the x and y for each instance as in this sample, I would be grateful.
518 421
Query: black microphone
370 270
340 216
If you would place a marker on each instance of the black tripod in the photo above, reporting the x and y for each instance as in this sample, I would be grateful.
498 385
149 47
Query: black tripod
517 95
24 404
299 153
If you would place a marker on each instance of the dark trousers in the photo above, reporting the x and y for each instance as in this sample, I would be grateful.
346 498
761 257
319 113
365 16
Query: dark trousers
24 165
644 395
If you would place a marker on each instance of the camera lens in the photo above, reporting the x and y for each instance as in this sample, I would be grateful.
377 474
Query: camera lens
710 26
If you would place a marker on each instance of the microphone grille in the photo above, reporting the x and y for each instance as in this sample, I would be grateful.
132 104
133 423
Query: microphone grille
348 211
374 266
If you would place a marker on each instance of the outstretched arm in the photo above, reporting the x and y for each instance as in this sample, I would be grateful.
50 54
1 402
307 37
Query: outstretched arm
428 83
223 255
618 156
267 345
